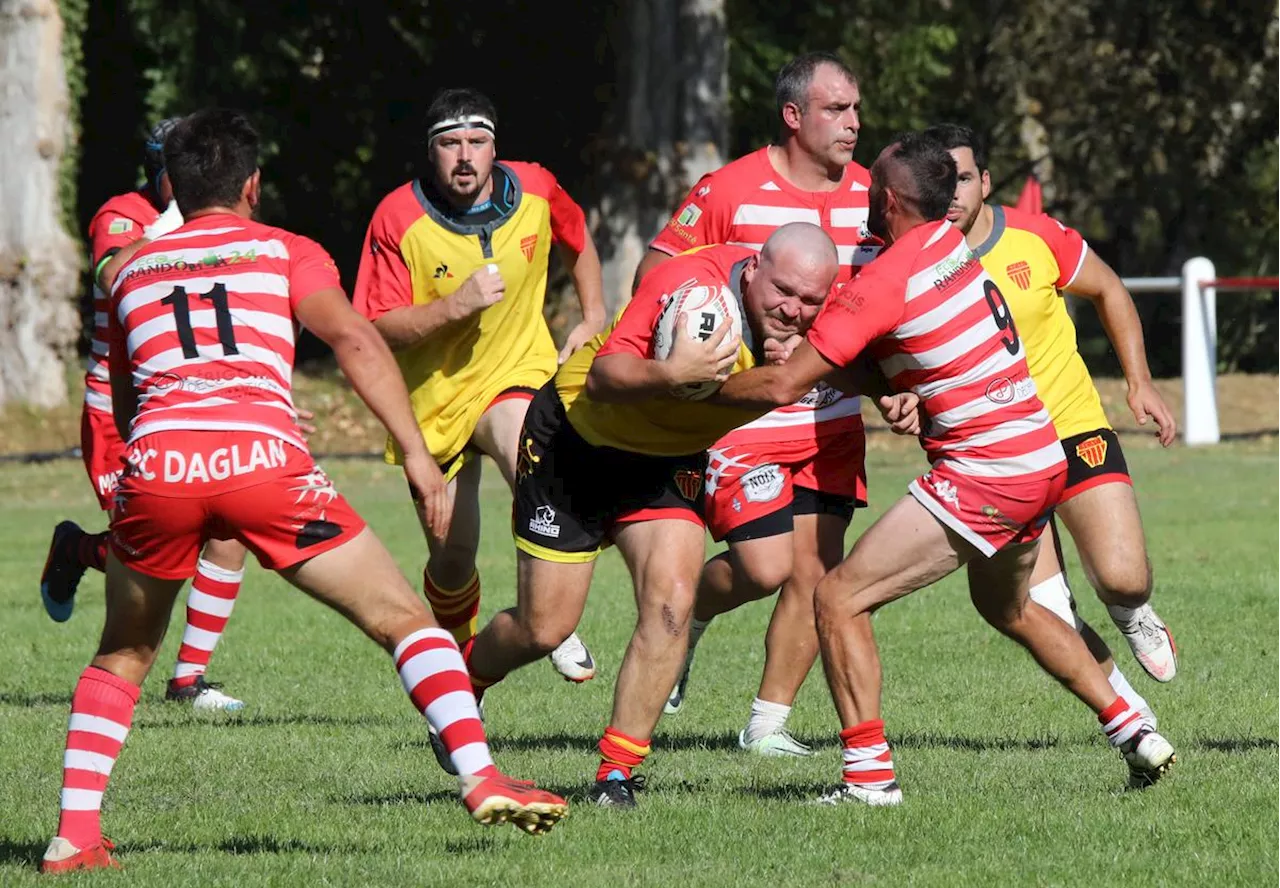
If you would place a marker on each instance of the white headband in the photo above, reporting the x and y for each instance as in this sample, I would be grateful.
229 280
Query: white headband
474 121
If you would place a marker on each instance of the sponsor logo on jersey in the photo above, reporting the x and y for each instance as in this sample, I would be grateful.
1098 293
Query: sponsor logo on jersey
1092 451
689 216
120 226
442 271
544 522
1020 272
527 245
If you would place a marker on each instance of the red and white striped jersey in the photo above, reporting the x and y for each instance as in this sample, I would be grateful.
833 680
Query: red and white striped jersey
119 222
742 203
940 327
203 320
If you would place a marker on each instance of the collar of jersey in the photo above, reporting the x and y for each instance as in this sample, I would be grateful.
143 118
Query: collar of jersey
461 227
997 231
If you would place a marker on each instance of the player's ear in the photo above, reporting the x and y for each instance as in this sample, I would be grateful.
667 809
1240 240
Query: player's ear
749 270
252 192
791 115
986 184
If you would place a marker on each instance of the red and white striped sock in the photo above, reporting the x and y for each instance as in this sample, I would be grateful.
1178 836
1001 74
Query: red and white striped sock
1120 722
436 679
209 603
868 763
101 714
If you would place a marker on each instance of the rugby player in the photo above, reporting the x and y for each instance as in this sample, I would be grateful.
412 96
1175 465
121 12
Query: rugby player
608 456
938 326
1034 259
453 275
140 215
782 489
235 464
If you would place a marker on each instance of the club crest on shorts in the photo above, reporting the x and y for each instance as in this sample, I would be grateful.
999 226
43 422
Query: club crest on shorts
528 245
1021 274
689 483
1092 451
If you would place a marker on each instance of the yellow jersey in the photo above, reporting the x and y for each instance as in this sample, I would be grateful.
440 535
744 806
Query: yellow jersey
1032 258
661 426
415 254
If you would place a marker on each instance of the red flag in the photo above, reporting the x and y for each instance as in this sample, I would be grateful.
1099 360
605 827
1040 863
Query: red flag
1031 200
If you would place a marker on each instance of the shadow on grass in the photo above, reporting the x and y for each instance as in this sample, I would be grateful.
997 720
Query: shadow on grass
789 792
1236 744
21 853
22 698
226 721
931 740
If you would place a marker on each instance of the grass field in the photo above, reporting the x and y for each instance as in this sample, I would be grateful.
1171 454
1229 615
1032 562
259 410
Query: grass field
326 778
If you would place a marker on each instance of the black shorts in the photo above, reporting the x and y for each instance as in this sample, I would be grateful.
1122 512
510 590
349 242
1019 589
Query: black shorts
570 495
805 501
1093 458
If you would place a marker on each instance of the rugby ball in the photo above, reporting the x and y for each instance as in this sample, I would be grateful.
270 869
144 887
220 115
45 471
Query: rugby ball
708 309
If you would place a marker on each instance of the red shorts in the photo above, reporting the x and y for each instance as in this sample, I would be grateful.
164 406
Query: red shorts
181 489
102 452
990 513
749 482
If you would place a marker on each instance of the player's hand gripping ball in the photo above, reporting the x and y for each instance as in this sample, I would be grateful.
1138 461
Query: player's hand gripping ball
707 309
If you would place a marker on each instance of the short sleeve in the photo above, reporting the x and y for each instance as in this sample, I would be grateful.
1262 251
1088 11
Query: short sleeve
311 269
1067 245
704 218
383 282
855 315
568 222
111 231
632 332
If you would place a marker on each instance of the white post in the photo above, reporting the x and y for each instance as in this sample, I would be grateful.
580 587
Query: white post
1199 353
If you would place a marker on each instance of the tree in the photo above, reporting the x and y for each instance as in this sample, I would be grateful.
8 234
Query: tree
668 126
39 261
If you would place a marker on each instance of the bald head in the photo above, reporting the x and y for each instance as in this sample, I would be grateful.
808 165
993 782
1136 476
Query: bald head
788 281
803 243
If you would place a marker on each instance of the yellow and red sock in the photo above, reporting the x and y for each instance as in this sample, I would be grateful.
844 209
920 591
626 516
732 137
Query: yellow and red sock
457 610
618 752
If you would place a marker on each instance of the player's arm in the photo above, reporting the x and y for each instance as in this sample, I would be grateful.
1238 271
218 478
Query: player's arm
623 376
588 281
651 259
368 364
1097 282
124 399
777 384
408 325
109 266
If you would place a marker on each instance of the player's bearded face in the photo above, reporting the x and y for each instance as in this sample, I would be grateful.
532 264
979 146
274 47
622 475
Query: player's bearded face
877 221
463 161
971 190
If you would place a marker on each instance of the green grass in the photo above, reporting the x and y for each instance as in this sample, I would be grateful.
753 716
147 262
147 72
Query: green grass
327 778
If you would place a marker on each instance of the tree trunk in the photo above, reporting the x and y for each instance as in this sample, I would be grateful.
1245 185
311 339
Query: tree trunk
669 126
39 262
